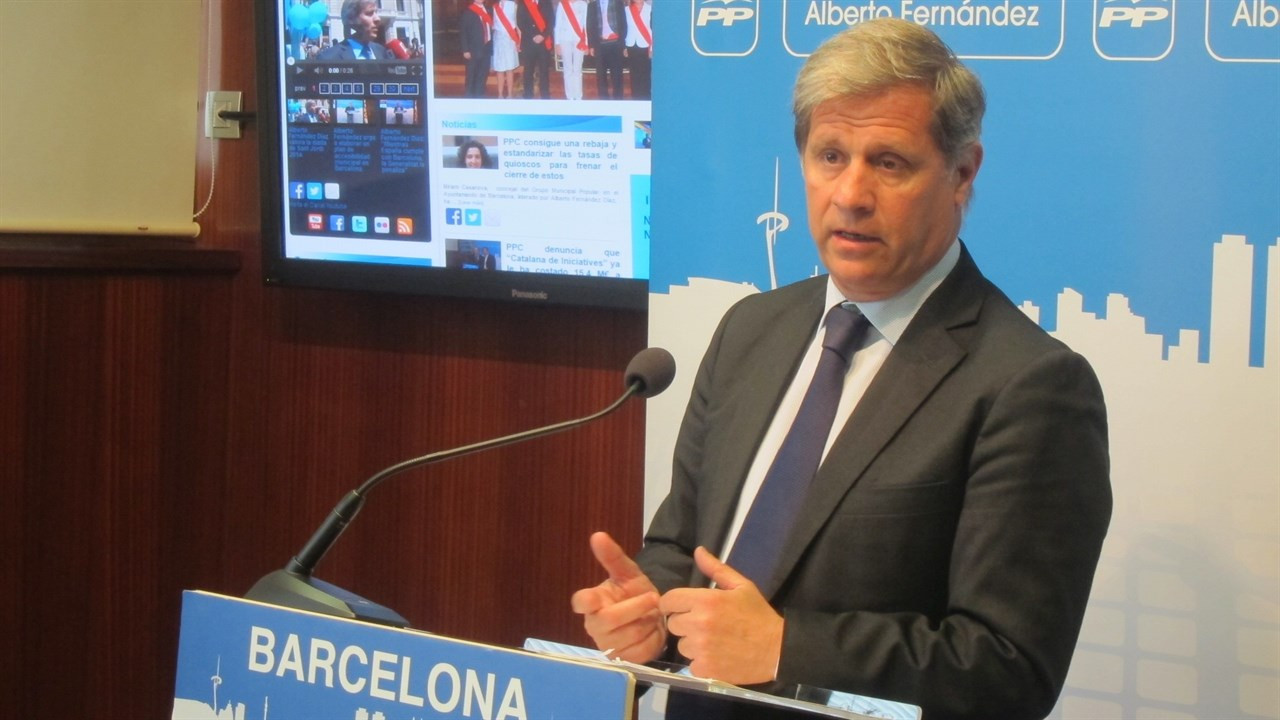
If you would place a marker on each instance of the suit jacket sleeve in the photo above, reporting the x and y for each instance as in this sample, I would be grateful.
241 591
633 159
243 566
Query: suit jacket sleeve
954 551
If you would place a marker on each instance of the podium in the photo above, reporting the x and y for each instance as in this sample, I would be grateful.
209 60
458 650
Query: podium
245 660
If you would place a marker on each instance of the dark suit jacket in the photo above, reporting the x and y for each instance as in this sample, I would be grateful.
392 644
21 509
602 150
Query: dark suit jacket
471 33
617 21
528 28
342 52
946 549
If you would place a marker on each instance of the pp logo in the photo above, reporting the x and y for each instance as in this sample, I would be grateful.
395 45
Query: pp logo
725 28
1133 29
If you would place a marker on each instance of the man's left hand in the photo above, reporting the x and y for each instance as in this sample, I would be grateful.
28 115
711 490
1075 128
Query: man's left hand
729 633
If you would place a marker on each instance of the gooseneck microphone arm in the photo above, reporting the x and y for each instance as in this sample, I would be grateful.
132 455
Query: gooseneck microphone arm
649 373
345 511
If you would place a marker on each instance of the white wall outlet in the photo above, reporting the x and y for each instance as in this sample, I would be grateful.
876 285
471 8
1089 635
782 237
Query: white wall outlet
214 103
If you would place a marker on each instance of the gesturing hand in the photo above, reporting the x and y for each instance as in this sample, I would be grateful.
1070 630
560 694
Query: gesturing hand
621 614
729 633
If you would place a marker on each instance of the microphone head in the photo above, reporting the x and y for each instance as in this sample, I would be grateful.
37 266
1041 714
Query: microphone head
652 369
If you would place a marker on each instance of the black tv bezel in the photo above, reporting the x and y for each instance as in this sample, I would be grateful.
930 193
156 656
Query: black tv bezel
281 270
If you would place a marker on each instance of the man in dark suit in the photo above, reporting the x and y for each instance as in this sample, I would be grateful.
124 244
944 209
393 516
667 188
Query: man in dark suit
536 21
943 551
475 31
363 24
606 35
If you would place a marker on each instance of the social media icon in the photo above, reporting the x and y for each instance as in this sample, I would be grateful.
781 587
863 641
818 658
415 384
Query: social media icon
404 226
453 216
331 191
473 217
315 191
359 223
382 224
298 191
338 223
315 221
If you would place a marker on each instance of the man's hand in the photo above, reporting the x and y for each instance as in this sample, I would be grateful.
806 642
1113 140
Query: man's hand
621 614
729 633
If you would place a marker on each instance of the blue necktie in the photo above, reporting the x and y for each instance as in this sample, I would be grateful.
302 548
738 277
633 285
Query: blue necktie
763 533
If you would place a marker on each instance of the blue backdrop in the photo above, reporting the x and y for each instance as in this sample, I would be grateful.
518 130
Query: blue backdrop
1130 200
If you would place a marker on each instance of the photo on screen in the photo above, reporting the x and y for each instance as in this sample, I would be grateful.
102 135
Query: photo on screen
473 254
398 112
567 65
470 151
351 112
644 134
310 110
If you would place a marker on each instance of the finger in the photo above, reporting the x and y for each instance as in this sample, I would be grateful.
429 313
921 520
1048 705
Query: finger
621 637
647 647
679 624
587 601
680 600
641 608
643 650
720 573
613 559
625 624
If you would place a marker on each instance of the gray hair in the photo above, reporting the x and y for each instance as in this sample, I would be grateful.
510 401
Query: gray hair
879 54
351 9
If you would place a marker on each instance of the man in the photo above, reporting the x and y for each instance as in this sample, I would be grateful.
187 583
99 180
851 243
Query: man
943 551
363 24
536 21
475 30
639 48
606 30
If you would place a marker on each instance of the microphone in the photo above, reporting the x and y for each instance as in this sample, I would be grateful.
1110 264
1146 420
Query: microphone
649 373
397 48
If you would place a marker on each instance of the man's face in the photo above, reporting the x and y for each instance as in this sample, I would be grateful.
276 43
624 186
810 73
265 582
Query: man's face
884 204
473 158
366 29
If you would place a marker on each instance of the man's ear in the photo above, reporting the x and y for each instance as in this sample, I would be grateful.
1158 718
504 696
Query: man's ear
966 170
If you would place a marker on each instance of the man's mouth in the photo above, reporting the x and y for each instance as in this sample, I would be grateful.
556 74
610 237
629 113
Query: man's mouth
854 236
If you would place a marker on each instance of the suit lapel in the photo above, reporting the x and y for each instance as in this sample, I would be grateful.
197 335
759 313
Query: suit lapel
921 360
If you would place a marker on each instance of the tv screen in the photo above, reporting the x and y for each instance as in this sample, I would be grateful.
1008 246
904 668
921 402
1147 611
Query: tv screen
391 163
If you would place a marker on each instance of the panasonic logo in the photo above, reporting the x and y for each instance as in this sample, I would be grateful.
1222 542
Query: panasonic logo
528 295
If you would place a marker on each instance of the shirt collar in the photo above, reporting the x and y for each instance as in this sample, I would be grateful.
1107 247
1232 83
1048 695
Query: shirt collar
891 316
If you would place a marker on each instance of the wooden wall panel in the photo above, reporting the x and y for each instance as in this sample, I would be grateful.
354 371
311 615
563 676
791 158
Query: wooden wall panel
171 423
113 379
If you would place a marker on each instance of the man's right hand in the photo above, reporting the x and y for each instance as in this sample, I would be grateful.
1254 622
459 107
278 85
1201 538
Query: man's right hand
621 614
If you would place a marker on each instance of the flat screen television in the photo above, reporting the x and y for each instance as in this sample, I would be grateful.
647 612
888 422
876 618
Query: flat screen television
380 174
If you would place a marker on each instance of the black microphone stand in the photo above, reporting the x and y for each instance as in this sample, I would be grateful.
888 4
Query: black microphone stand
295 587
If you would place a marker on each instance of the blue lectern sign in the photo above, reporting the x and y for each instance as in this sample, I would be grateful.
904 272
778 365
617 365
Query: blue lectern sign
241 660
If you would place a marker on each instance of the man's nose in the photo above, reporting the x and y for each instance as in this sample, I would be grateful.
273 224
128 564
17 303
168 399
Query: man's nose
855 189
